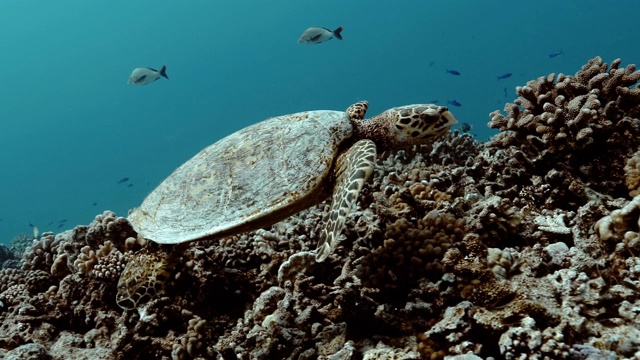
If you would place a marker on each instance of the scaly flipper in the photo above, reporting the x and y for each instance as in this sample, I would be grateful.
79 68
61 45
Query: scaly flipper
353 169
142 279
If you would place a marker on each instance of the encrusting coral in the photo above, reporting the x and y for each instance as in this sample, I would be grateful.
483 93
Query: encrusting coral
522 247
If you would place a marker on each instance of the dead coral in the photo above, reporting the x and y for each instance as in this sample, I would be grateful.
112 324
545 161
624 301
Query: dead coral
497 221
453 334
277 325
476 281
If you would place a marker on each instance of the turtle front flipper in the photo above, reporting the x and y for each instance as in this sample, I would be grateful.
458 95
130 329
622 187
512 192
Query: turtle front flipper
353 168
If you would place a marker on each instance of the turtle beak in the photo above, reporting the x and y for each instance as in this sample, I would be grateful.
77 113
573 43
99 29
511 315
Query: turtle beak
446 121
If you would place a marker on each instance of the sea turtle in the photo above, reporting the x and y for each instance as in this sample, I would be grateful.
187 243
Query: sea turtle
270 170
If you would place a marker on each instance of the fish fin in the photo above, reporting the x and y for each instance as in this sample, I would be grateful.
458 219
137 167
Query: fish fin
337 32
163 72
140 79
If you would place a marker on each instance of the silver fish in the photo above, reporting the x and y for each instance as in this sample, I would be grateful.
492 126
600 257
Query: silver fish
318 35
144 76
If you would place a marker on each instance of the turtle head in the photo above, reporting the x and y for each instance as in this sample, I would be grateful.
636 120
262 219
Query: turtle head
417 124
404 126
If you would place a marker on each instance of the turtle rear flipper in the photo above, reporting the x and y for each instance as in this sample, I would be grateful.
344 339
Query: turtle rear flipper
143 278
353 169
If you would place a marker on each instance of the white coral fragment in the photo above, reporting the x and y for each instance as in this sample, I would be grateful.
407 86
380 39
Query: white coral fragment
619 221
553 223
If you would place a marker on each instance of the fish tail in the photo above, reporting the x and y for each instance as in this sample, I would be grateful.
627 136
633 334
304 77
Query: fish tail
163 72
337 32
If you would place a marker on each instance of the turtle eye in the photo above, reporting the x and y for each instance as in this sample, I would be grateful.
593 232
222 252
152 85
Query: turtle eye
430 115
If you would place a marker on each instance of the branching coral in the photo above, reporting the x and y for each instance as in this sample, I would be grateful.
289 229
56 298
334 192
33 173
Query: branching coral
583 124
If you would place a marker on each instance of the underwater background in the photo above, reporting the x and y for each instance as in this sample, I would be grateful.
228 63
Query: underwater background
71 128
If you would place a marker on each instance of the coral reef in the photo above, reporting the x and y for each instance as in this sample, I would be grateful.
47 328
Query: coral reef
10 255
523 247
6 255
576 132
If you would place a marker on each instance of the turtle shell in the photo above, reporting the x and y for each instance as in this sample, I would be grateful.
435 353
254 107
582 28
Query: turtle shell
250 179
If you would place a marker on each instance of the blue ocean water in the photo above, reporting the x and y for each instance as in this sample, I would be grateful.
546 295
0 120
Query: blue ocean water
71 127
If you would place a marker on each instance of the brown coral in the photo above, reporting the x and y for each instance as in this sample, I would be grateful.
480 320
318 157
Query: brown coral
109 227
412 251
632 172
583 124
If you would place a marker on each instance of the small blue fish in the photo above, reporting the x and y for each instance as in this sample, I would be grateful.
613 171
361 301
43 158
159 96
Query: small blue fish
95 203
49 224
452 72
123 180
130 185
453 102
59 226
555 53
63 220
504 76
465 127
30 224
